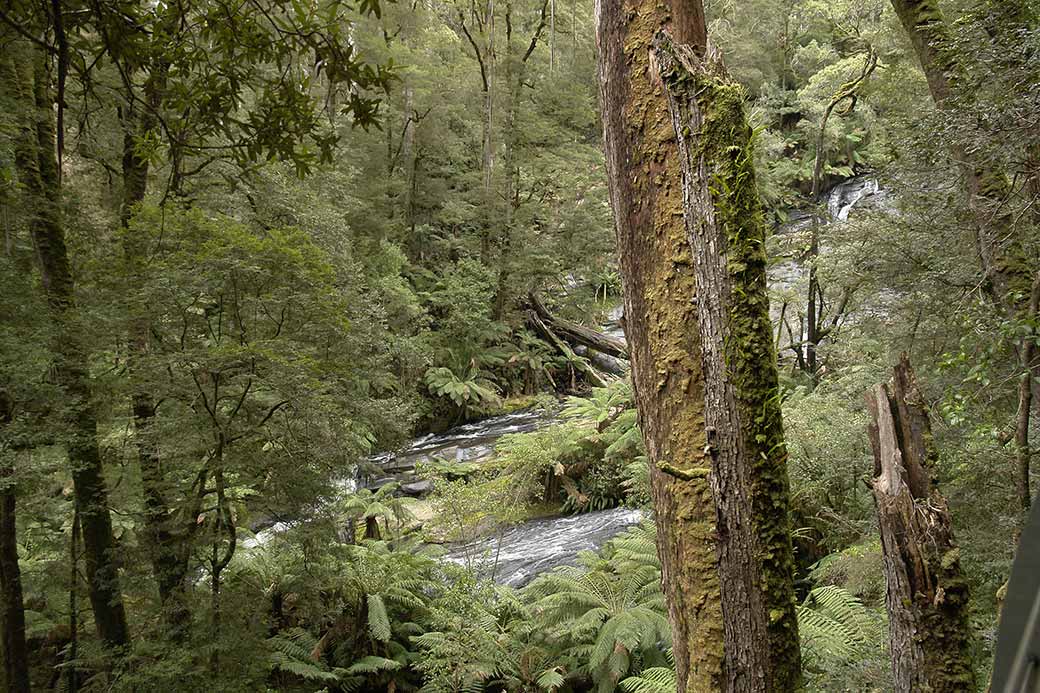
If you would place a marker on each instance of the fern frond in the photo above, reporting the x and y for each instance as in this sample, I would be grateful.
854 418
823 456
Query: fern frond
378 621
372 664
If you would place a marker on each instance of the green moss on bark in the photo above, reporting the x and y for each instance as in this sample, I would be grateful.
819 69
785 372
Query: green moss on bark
724 145
660 289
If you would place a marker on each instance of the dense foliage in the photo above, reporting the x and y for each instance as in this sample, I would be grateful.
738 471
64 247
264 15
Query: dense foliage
299 234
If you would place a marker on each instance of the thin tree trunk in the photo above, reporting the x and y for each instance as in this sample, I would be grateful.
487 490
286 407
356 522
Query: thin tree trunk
38 171
661 318
927 592
504 240
168 557
552 36
12 608
727 233
73 651
515 69
814 312
223 523
1028 363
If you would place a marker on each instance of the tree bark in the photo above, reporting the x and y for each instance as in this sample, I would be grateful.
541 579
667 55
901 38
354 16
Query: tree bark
927 592
661 319
726 228
12 608
37 169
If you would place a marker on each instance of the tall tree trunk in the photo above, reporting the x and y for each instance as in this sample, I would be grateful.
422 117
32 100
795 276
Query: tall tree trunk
37 169
927 594
408 158
1028 362
1008 272
483 46
515 69
505 232
72 652
661 318
726 228
703 361
12 609
223 524
168 556
998 240
487 147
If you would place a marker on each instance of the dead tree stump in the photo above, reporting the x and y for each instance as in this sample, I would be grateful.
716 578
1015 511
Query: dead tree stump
927 593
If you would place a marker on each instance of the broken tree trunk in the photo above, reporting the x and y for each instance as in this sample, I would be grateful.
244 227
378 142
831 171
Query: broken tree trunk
927 595
578 334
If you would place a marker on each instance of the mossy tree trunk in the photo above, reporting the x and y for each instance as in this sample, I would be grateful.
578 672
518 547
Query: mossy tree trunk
691 238
37 168
12 607
927 594
661 318
1010 274
726 229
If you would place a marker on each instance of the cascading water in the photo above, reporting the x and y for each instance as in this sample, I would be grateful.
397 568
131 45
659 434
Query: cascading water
518 554
472 442
846 195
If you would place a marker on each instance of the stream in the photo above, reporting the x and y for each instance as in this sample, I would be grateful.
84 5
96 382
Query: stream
519 553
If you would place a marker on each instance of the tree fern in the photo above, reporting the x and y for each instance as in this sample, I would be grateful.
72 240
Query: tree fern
652 680
371 664
378 621
610 618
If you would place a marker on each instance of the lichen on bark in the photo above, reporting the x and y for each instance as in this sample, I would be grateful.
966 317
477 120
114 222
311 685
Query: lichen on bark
661 320
726 230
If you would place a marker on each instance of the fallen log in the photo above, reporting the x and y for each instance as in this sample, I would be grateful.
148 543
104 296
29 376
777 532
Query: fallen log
602 362
580 364
578 334
927 592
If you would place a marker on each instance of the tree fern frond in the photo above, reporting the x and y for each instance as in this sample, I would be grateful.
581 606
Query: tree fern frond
372 664
653 680
378 621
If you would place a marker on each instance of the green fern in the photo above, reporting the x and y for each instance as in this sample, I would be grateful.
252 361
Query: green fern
612 619
835 627
292 654
378 621
371 664
652 680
